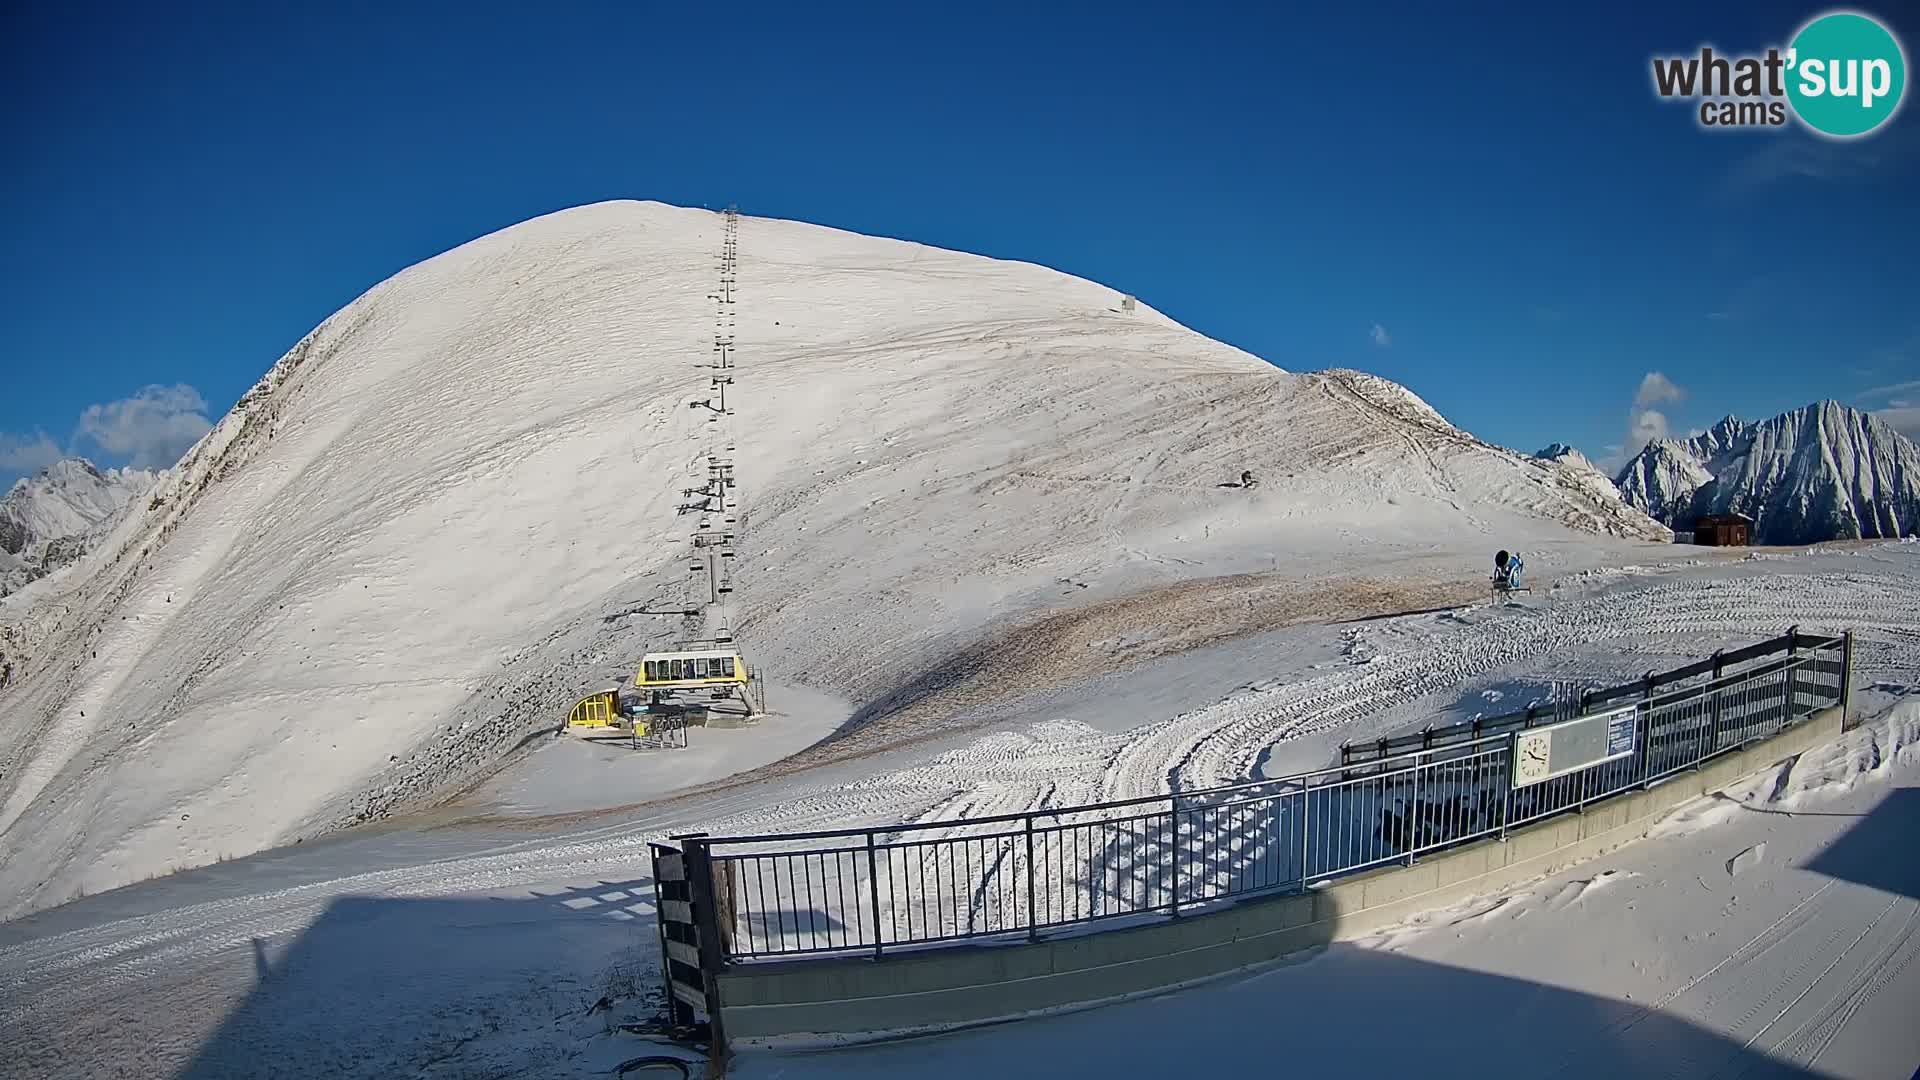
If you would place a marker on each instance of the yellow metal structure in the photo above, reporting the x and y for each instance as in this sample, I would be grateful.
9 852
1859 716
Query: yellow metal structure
599 710
692 669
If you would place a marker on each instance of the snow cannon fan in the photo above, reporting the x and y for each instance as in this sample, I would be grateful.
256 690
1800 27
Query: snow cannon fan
1506 576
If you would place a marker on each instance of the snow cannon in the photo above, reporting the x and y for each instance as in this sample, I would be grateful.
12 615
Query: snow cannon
1506 576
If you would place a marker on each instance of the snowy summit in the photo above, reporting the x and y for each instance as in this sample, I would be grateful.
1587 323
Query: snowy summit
408 548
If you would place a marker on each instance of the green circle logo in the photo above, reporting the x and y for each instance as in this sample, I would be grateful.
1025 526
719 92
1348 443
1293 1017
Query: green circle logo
1846 74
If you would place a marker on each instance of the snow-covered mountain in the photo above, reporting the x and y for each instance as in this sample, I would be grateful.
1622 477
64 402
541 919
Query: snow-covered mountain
47 520
1822 472
1566 455
1661 480
416 541
1575 467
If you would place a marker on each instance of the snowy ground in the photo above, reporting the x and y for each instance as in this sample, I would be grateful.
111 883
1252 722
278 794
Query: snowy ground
476 950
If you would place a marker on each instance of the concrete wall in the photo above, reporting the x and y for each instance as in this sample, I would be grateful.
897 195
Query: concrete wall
944 987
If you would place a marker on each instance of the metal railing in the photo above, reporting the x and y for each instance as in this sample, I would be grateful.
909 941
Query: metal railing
927 883
1711 668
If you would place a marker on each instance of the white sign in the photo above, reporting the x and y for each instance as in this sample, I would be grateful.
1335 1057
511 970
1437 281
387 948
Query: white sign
1543 753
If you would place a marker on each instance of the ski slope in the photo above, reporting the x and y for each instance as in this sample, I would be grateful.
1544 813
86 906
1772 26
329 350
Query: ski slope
398 556
480 948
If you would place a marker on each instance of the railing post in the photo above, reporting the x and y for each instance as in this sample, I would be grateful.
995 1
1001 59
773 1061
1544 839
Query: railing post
1793 669
1846 680
1713 700
1646 708
873 892
1033 923
1306 791
1173 812
1413 829
1506 781
699 858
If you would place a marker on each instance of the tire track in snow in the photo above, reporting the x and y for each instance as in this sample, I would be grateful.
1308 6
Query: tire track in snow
1806 1043
1220 744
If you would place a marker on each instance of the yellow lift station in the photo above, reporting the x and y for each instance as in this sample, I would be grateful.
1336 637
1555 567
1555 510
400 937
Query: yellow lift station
718 674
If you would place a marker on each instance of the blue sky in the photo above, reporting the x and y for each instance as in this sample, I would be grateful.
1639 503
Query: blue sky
1491 208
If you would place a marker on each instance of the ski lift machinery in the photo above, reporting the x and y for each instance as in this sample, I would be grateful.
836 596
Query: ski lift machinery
717 673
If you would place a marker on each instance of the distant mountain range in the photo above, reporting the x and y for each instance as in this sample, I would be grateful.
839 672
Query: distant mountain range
51 519
1822 472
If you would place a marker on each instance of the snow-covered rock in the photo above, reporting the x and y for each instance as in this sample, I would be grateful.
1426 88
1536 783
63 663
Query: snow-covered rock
49 519
1661 480
1822 472
417 540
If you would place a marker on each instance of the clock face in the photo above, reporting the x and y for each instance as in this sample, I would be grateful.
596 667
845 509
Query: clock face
1530 760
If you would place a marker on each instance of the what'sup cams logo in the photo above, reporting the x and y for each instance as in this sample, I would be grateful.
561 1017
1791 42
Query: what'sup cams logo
1843 76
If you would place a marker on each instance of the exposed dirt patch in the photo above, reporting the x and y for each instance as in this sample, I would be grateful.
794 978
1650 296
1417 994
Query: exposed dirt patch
1067 646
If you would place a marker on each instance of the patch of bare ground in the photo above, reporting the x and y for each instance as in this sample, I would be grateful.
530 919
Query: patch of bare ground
1060 648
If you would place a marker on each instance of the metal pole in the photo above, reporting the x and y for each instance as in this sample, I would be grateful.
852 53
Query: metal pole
1033 924
1173 812
1846 680
873 894
1413 831
1793 681
1513 756
1306 791
1719 670
1646 753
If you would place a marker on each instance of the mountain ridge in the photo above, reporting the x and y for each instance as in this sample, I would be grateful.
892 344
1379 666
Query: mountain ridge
1824 471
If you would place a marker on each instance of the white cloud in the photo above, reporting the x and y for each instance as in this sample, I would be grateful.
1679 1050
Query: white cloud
21 454
1888 391
1903 418
1657 389
1644 422
1380 336
1897 407
1644 426
151 429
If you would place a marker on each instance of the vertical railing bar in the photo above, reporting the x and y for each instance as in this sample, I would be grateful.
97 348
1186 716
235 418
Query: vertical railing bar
1413 831
873 893
1033 928
1173 818
813 926
1846 680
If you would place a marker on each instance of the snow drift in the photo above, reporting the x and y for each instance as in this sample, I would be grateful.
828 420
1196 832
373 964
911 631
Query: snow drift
408 548
1821 472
